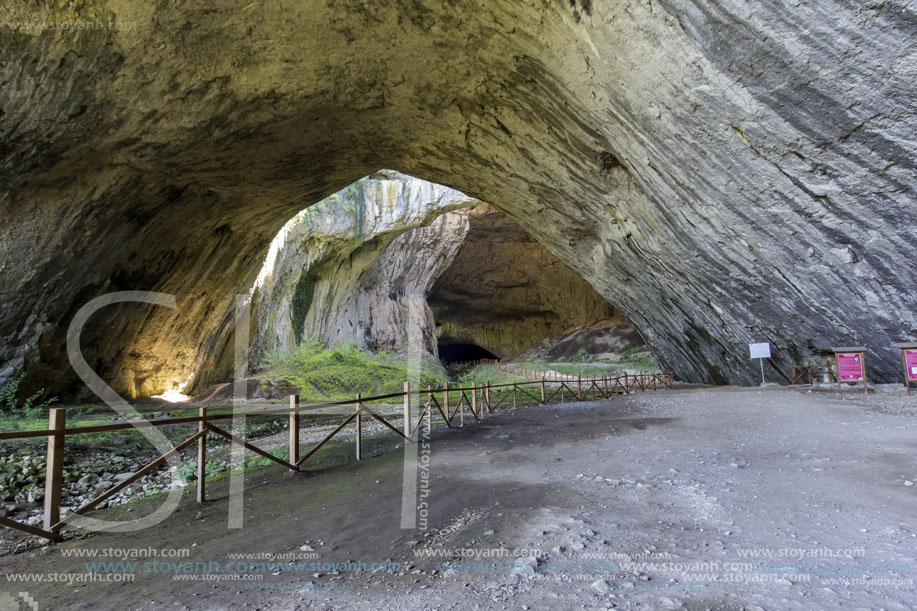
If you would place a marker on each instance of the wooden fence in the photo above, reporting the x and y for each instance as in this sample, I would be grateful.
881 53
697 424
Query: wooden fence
448 403
811 372
470 364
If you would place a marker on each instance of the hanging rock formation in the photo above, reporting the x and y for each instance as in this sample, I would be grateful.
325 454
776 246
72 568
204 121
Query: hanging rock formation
505 292
725 171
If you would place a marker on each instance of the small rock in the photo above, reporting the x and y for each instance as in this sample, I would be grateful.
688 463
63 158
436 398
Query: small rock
525 566
601 586
88 479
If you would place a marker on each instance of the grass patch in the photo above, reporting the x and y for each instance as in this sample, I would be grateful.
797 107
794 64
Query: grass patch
635 359
488 373
323 373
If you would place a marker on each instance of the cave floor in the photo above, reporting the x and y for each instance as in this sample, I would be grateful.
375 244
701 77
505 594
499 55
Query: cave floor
691 498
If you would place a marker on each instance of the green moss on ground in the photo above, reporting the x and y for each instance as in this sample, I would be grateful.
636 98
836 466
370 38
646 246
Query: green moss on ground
339 372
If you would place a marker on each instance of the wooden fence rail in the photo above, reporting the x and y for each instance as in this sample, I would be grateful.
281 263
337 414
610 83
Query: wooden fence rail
811 373
449 402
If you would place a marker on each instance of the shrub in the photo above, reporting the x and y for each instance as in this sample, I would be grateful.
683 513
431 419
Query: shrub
29 407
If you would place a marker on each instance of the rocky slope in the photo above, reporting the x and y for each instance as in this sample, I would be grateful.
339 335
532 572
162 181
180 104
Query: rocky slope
604 341
724 171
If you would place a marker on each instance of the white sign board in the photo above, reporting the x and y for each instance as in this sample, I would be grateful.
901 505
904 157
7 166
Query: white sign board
760 351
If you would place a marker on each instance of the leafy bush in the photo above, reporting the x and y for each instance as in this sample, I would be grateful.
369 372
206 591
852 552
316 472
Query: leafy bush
29 408
188 471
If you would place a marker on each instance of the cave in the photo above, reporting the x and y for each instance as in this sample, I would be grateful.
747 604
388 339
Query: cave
706 169
451 353
394 263
428 182
505 291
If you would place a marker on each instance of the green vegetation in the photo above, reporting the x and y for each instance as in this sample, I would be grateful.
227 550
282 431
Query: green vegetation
634 359
188 471
340 372
351 199
355 203
30 408
302 301
481 375
487 373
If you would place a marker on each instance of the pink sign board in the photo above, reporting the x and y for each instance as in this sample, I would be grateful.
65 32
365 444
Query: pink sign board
910 359
850 366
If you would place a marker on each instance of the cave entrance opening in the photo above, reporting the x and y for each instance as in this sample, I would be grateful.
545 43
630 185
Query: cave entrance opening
415 272
457 353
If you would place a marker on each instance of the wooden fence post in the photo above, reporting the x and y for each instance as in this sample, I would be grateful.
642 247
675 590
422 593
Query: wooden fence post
407 410
542 389
359 429
461 406
514 395
579 387
446 402
202 458
474 399
487 396
54 468
294 429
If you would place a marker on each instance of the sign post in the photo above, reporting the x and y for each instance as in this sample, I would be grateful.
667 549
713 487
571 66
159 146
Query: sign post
760 352
851 366
909 360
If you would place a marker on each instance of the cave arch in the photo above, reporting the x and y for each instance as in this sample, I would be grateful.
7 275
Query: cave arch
623 137
412 263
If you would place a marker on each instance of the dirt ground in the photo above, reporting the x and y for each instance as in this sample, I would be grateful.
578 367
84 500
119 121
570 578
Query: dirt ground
691 498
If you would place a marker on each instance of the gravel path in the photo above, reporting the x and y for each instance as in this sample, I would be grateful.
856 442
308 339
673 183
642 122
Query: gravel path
692 498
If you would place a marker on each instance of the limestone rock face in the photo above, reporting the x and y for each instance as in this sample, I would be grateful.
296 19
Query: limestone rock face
504 292
725 171
357 268
488 282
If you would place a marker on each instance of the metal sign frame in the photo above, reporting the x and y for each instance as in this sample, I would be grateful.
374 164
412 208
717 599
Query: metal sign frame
760 351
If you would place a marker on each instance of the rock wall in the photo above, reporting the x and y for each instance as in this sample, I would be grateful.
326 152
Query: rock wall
504 291
470 276
382 305
357 268
337 273
725 171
